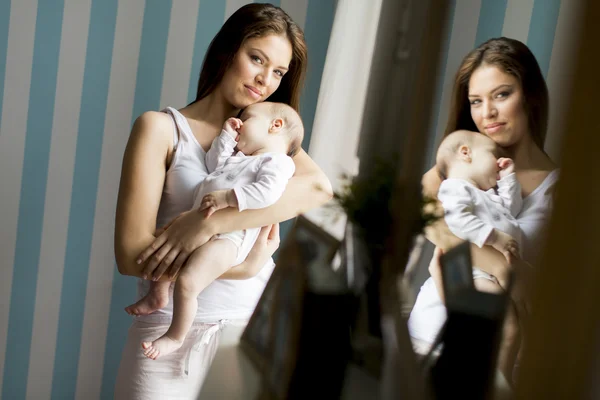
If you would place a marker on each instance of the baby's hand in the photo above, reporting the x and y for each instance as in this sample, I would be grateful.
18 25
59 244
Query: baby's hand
504 243
506 165
231 126
218 200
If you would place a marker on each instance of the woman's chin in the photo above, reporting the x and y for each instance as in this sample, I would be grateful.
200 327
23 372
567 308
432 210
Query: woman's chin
504 139
247 99
242 102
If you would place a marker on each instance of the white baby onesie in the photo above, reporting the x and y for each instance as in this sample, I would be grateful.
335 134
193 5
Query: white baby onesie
258 182
472 213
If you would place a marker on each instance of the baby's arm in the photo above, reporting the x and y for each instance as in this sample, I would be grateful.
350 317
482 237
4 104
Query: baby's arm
224 145
459 207
509 188
271 179
217 200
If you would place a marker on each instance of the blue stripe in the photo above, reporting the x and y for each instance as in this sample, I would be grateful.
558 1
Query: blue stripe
542 28
319 19
83 197
153 47
151 63
491 20
4 21
33 192
211 14
435 111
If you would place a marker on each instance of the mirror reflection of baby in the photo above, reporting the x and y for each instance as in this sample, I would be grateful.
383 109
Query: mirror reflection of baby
249 164
479 193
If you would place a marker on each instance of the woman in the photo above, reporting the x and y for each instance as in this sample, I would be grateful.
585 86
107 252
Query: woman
259 53
499 91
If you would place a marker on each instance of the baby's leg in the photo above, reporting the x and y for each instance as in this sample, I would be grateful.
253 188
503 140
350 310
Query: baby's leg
156 298
205 265
511 340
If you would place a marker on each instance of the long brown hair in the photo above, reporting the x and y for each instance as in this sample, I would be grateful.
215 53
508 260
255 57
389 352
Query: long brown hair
514 58
249 21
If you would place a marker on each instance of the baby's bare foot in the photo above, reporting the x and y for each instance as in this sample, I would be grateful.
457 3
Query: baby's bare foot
160 347
154 300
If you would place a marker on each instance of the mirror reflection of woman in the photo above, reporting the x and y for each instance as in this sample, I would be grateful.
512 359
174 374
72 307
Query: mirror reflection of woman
259 53
499 91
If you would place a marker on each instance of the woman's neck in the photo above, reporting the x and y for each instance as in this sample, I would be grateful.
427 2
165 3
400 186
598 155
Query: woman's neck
212 109
528 156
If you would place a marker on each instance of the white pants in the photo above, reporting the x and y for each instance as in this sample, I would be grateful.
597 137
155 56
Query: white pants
178 375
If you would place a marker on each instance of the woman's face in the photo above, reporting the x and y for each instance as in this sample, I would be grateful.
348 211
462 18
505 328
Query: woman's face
256 70
497 105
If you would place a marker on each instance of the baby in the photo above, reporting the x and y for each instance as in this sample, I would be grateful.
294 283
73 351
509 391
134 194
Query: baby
249 164
474 210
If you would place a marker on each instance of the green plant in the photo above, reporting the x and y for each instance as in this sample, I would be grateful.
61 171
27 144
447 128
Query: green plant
366 202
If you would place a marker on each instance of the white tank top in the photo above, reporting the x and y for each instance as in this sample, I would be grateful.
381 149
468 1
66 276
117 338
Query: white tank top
222 299
429 313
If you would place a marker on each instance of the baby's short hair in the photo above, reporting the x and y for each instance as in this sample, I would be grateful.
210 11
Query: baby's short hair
450 145
292 125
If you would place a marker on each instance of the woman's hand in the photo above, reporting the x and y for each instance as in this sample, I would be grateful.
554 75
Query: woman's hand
435 270
504 243
522 280
174 244
264 247
518 280
266 244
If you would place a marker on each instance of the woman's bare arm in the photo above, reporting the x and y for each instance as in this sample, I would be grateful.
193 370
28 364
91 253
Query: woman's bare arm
308 188
266 244
142 179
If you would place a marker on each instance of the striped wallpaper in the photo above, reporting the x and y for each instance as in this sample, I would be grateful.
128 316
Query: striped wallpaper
546 26
74 75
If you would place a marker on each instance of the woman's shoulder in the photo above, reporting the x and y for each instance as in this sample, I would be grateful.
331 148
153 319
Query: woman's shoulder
154 120
153 126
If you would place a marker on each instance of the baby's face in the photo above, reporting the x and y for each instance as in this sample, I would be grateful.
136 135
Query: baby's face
254 132
484 164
